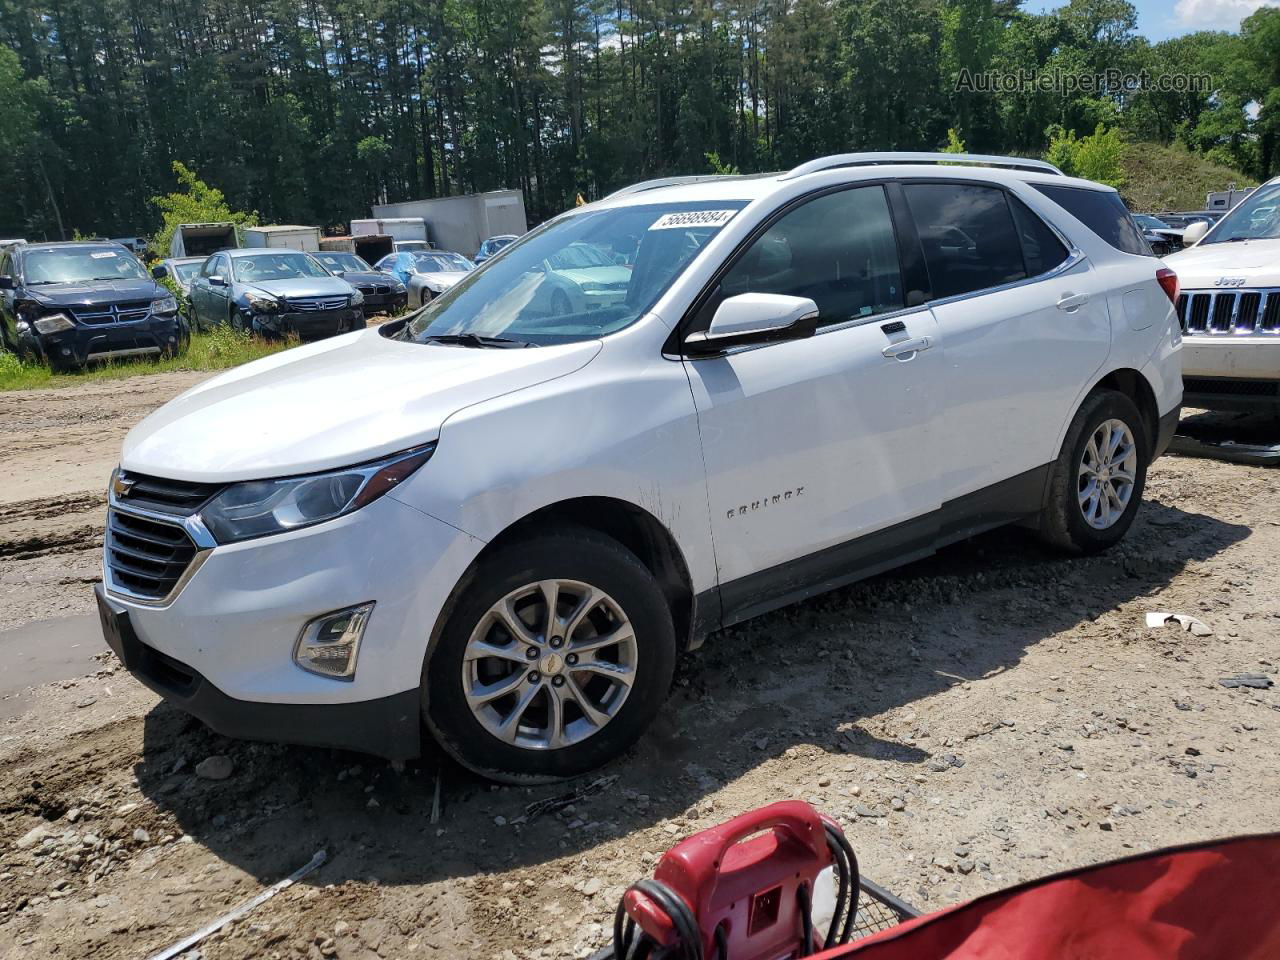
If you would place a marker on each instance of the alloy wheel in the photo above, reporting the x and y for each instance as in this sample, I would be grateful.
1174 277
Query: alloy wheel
549 664
1107 473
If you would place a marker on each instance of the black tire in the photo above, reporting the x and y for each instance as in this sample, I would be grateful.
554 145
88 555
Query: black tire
1062 520
570 554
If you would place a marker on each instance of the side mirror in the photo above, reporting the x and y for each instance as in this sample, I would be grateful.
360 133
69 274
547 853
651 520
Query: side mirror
159 271
339 273
6 283
1194 233
217 281
751 318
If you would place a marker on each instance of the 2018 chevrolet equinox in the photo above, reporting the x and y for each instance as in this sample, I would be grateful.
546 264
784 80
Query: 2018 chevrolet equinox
501 522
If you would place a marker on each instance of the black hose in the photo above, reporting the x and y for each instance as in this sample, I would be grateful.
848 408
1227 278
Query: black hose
840 842
841 864
806 921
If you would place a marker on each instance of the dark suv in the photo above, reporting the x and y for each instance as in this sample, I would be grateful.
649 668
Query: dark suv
69 303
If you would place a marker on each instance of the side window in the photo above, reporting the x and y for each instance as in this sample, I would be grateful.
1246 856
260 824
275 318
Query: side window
6 265
838 250
1041 248
1103 212
209 267
968 236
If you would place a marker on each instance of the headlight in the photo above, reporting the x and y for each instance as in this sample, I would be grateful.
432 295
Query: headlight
357 299
259 508
165 305
55 323
397 286
591 286
261 303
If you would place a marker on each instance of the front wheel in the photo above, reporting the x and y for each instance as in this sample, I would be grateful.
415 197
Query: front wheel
1098 478
557 655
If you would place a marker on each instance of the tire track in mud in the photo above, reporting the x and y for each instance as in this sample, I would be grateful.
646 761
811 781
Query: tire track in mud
55 525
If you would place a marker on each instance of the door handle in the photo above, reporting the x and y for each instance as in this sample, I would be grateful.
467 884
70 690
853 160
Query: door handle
1070 302
906 349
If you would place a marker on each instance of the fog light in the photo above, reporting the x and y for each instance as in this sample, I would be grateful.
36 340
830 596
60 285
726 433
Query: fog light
329 645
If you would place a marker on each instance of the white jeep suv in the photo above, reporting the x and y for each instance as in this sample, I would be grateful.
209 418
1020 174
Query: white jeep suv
1230 308
502 522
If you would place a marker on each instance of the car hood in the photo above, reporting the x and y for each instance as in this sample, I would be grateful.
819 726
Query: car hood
97 293
614 276
442 279
371 277
301 287
331 404
1256 261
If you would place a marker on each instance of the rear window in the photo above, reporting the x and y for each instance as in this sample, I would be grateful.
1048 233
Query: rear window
1103 212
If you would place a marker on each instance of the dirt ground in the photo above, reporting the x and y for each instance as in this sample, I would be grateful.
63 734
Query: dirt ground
989 715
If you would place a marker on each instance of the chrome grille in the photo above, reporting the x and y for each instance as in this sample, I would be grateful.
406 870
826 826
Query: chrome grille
116 313
179 497
1226 312
146 558
311 304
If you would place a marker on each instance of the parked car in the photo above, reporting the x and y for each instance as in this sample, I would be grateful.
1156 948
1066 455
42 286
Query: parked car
1230 307
506 524
274 293
382 292
1181 221
426 274
1160 236
414 246
69 303
491 246
581 277
183 270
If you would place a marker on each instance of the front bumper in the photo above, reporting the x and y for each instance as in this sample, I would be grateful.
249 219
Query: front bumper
309 325
387 727
385 302
86 342
1232 372
222 647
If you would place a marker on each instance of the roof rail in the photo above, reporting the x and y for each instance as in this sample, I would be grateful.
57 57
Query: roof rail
670 182
875 159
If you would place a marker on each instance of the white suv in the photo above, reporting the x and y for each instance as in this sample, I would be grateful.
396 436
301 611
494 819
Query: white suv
504 522
1230 307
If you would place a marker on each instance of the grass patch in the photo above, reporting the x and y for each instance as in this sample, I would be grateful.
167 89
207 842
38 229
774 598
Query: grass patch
219 349
1172 178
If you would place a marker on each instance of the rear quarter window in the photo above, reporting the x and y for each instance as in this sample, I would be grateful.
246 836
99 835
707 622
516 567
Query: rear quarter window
1103 212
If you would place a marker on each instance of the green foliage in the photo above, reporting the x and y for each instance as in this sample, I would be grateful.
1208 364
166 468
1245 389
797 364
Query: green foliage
954 143
1172 178
1098 157
719 166
219 349
196 202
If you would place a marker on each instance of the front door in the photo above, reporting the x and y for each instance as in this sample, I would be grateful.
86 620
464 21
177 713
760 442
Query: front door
812 444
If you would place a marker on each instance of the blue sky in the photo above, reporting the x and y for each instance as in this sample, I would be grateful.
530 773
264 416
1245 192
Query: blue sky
1160 19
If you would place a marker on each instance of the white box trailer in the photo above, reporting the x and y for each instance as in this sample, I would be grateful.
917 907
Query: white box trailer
370 247
286 237
407 230
202 239
1225 199
461 223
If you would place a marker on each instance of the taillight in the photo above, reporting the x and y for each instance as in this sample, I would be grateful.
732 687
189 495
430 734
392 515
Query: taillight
1168 281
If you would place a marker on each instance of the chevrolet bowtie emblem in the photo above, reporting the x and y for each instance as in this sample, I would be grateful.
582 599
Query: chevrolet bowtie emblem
122 486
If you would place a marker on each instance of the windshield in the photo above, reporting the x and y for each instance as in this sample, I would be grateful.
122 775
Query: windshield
276 266
188 271
580 277
497 243
1256 217
346 262
441 263
1150 223
81 264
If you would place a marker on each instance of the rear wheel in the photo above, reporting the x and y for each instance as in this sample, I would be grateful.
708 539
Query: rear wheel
1097 481
557 655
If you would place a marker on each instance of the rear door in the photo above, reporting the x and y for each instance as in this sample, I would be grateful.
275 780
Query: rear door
812 444
1026 327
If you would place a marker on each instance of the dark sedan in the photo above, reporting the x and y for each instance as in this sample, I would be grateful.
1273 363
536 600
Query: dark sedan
275 293
70 303
382 292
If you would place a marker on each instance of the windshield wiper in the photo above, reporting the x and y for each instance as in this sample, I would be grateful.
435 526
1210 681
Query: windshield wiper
476 340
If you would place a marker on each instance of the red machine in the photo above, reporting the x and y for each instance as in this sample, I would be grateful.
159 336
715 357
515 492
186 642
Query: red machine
744 891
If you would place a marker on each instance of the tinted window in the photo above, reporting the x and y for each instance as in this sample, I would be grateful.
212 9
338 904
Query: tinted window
81 264
837 250
1103 212
1041 248
968 237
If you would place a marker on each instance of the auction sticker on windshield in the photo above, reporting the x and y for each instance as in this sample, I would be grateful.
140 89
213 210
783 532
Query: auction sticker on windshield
693 218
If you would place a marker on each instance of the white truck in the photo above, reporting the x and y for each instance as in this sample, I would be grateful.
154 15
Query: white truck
202 239
286 237
1229 306
406 233
462 223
